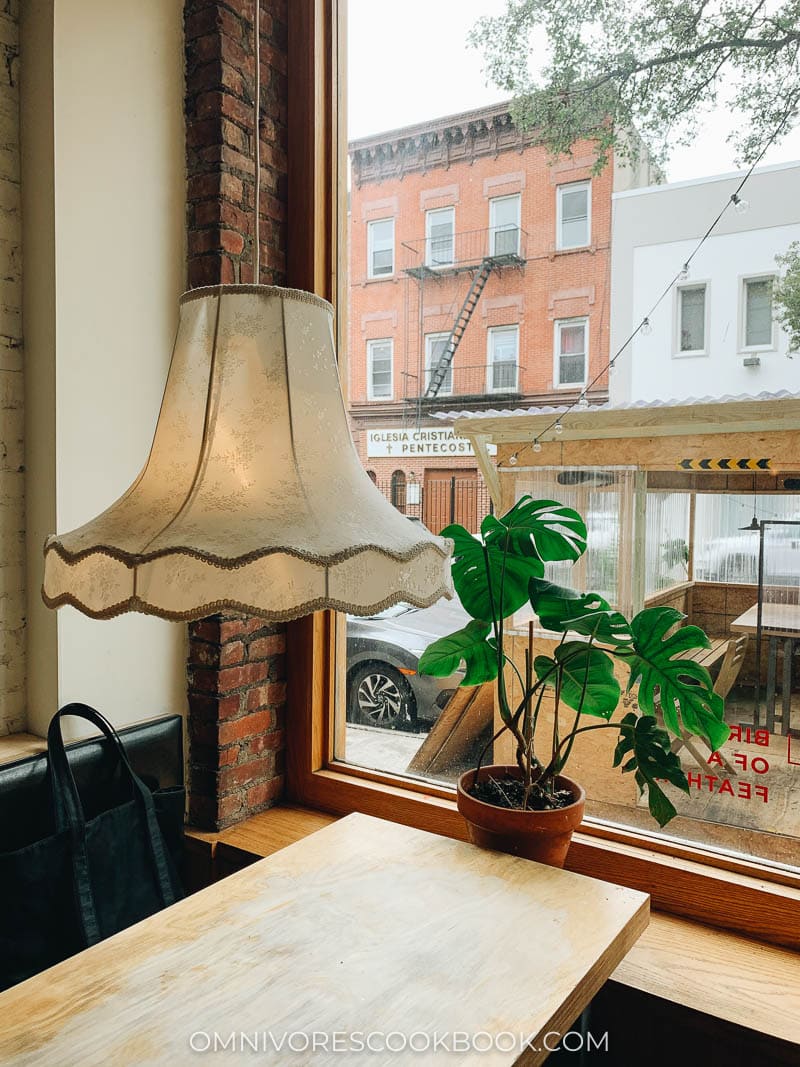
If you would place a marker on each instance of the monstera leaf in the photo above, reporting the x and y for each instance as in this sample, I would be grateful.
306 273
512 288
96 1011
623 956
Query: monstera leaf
561 609
444 656
586 682
651 759
680 688
472 583
541 528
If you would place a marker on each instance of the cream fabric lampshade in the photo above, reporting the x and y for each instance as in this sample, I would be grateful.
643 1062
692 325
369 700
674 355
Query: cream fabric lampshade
253 498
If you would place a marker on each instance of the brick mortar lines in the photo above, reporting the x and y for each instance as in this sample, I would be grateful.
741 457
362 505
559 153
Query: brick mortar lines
236 667
237 692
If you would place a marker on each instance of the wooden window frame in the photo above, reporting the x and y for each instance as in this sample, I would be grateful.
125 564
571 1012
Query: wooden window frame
750 897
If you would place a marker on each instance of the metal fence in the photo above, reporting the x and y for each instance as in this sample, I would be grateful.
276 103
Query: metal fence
440 499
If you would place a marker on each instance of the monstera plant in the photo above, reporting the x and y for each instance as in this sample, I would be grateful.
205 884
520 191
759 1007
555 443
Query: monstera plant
667 694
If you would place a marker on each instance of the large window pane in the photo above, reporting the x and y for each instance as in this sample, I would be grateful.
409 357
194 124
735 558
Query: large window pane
758 312
692 312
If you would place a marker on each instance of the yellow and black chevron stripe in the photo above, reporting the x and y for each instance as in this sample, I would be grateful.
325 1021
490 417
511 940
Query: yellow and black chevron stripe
725 464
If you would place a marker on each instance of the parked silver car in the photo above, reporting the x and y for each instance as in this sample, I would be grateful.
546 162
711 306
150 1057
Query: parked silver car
384 687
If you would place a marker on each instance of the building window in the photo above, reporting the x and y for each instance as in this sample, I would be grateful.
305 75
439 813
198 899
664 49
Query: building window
435 345
757 326
373 477
399 490
380 248
379 369
571 348
440 237
503 359
504 223
692 305
574 215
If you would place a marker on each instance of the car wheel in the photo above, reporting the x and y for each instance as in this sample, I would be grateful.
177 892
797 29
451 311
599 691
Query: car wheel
380 696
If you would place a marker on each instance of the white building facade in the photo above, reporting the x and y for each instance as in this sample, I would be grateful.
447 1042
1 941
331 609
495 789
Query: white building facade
714 334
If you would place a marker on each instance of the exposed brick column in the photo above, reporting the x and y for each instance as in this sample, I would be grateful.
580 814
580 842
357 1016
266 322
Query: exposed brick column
236 667
237 693
220 85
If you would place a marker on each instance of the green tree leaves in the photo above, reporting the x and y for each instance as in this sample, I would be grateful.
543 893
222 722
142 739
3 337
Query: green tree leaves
652 759
680 688
624 75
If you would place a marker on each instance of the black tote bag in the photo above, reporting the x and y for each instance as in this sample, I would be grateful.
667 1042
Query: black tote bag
90 877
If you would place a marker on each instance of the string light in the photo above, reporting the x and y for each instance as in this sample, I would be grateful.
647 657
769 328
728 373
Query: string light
684 272
512 460
740 205
583 402
537 445
559 428
646 329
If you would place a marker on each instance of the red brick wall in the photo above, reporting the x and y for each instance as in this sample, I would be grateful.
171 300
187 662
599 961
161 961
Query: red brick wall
552 285
236 666
220 82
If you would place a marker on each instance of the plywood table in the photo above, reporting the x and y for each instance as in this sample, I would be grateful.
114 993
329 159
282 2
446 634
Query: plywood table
363 928
780 623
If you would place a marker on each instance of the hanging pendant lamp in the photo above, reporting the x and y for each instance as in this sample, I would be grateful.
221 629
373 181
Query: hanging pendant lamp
253 498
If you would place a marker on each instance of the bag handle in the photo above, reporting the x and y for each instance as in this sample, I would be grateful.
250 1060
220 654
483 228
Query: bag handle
69 815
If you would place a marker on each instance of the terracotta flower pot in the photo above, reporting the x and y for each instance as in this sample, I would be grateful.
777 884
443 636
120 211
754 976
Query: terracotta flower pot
537 835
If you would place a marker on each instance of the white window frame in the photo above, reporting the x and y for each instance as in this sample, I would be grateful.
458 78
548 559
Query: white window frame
429 216
370 242
494 229
491 333
691 353
558 325
743 346
571 187
437 335
371 344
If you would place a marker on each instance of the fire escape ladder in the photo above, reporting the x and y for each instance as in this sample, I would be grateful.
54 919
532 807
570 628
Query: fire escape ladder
439 372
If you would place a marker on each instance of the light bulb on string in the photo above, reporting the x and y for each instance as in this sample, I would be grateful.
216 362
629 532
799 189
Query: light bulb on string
583 402
740 205
558 428
612 366
684 272
646 329
512 461
537 445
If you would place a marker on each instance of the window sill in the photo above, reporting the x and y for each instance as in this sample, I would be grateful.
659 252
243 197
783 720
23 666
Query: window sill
698 354
381 278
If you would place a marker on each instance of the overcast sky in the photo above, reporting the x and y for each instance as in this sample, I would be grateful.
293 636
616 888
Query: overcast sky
409 61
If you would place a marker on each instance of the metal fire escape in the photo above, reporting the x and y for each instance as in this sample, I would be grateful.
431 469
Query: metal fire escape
478 253
439 372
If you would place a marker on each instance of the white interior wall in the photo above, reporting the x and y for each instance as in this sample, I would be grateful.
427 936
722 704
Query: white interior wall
116 212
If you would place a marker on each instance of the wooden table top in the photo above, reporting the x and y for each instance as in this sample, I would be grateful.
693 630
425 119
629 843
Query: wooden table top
363 927
777 620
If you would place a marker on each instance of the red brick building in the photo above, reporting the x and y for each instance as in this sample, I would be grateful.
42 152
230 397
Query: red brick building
479 278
